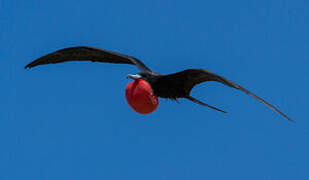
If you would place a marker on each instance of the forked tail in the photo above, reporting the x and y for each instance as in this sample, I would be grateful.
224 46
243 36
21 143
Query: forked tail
204 104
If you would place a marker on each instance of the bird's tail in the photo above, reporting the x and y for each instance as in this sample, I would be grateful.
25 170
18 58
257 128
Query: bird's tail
204 104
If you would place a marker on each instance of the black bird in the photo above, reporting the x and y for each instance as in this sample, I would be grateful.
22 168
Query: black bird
171 86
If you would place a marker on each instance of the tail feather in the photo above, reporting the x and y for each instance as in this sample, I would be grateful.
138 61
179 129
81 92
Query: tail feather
204 104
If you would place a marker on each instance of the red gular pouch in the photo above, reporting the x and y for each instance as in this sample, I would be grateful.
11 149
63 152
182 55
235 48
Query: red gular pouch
140 97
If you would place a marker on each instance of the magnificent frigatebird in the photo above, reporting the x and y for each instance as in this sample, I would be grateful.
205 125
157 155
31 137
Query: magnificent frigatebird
142 94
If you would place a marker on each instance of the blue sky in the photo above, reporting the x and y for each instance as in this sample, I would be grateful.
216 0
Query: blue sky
71 120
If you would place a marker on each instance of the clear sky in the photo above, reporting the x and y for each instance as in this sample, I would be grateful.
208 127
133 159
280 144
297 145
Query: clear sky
71 120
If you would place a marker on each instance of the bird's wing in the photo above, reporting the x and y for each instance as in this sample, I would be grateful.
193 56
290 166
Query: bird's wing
191 77
84 53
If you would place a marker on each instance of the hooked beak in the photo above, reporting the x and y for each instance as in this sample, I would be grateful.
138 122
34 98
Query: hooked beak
136 76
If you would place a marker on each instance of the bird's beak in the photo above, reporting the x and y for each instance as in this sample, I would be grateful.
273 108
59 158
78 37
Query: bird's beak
136 76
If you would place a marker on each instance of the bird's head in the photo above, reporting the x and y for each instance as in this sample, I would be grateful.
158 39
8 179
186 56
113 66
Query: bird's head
145 76
139 94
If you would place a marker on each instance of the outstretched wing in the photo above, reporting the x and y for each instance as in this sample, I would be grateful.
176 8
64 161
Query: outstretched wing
191 77
84 53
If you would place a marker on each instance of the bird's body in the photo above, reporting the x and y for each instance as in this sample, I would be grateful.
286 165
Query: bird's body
162 87
140 97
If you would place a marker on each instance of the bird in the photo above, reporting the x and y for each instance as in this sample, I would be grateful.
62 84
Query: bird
142 93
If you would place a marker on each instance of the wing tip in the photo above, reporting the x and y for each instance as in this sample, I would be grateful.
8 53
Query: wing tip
28 66
291 120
